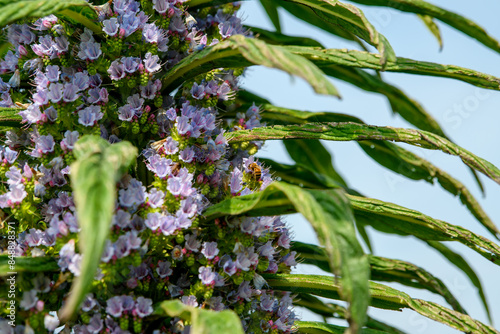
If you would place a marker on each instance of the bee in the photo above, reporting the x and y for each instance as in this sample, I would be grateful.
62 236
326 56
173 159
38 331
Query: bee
175 169
158 144
256 171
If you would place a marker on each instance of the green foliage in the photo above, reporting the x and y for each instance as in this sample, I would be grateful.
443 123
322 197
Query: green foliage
202 321
94 174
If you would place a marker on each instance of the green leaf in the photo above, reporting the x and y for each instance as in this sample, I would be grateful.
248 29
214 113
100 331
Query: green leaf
272 11
313 155
13 10
202 321
277 38
312 327
86 16
385 270
239 51
457 260
94 174
357 132
330 216
392 218
10 117
387 154
328 310
382 296
26 264
433 28
352 19
454 20
361 59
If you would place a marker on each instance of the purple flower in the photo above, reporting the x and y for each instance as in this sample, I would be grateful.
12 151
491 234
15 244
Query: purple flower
189 300
88 303
151 33
289 259
143 307
160 166
14 175
171 146
155 198
267 302
198 91
130 64
108 252
116 70
51 113
236 180
149 91
151 63
10 155
187 155
55 93
114 306
192 243
70 93
126 113
95 324
206 275
61 44
44 144
210 250
230 268
81 80
74 265
89 50
183 126
53 73
164 269
168 226
122 247
70 138
161 6
90 115
245 291
153 220
111 26
266 250
32 114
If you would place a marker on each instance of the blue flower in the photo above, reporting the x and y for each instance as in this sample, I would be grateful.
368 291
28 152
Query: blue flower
111 26
90 115
206 275
151 63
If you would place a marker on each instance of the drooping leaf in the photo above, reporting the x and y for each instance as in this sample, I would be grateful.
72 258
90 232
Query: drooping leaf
328 310
349 18
86 16
357 132
10 117
14 10
26 264
272 37
272 11
383 297
329 214
361 59
393 218
433 28
385 270
313 327
454 20
387 154
94 174
238 51
202 321
457 260
313 155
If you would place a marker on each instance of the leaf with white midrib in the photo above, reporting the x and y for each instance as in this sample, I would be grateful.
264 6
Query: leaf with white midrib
382 296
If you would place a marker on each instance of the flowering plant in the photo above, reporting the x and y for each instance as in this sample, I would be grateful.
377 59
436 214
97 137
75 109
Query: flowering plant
132 198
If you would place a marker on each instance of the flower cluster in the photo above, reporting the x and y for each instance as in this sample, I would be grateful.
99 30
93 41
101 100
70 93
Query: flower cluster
69 81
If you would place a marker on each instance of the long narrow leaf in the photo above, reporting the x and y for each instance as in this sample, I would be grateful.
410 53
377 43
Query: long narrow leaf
433 28
454 20
382 297
312 327
386 270
328 310
14 10
94 174
9 117
387 154
352 19
239 51
394 218
357 132
26 264
457 260
329 214
361 59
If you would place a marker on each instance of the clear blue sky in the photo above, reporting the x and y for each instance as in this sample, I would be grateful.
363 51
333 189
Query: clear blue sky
475 128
